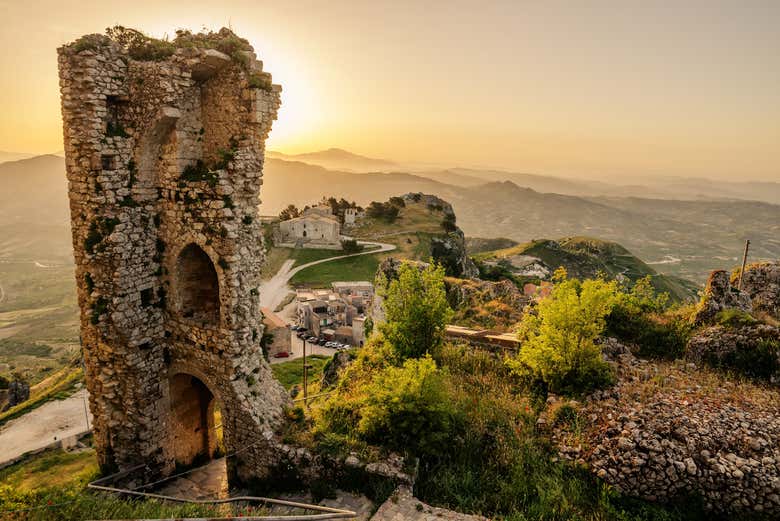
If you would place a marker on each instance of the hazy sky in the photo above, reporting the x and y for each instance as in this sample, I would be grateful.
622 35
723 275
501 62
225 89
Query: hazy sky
570 88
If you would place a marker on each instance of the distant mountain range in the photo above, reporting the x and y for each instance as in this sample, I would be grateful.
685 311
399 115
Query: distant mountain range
657 187
13 156
678 237
338 159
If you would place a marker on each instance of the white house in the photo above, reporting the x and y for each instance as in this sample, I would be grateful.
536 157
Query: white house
317 227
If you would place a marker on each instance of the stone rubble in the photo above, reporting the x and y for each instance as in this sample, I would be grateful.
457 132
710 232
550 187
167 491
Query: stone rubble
665 431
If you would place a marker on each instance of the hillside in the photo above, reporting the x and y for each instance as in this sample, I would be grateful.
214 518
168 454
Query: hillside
584 257
682 238
338 159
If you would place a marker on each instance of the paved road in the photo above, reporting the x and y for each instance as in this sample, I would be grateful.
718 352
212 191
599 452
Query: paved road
273 291
43 426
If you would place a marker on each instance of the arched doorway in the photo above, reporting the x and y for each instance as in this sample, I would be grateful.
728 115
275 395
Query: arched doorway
197 285
196 430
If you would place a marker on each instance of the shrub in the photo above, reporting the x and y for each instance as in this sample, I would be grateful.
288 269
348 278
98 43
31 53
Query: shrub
404 408
416 310
448 223
199 172
351 246
640 317
261 81
383 211
559 349
99 229
139 46
398 201
291 212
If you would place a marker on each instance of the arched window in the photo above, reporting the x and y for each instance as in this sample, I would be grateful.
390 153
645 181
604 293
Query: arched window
197 285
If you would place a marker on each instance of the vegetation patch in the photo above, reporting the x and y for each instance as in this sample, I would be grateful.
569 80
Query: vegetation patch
290 374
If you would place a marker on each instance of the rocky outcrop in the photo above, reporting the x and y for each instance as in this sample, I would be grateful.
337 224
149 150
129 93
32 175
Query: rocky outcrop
481 303
720 295
752 350
667 431
449 249
761 282
760 292
17 392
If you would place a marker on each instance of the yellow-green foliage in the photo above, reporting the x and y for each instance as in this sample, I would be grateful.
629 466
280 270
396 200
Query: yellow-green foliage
416 310
559 348
404 408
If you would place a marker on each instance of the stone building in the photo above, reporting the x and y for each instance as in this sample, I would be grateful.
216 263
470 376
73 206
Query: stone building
164 149
317 227
332 313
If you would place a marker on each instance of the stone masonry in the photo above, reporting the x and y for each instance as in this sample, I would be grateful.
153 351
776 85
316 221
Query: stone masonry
164 158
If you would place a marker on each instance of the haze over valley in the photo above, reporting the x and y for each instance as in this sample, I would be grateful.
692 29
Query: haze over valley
687 235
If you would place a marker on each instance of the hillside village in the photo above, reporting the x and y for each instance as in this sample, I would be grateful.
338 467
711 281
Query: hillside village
360 362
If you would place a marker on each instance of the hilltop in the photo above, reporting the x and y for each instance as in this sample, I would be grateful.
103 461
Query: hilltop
337 158
583 257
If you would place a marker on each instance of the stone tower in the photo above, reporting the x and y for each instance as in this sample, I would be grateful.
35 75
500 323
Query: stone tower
164 147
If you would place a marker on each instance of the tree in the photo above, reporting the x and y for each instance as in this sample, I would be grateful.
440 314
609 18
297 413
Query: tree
559 348
291 212
416 310
351 246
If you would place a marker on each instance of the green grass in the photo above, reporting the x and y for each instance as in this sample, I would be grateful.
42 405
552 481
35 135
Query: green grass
361 267
51 469
59 387
291 373
306 255
52 485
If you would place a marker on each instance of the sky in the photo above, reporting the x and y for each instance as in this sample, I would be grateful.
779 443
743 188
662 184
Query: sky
580 88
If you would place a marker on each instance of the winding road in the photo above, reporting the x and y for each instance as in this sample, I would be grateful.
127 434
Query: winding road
273 291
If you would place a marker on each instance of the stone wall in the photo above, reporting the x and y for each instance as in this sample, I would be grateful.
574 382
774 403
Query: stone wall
671 431
164 161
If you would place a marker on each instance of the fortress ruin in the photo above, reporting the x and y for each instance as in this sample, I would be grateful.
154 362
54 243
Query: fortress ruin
164 147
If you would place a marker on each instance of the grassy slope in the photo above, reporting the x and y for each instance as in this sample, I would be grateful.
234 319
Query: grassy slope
52 485
38 319
585 257
411 233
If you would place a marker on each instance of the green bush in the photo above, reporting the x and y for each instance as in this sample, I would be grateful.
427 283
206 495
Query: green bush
559 349
406 409
387 212
416 310
641 317
351 246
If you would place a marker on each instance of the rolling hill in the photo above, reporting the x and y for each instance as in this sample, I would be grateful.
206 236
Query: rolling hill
586 257
675 237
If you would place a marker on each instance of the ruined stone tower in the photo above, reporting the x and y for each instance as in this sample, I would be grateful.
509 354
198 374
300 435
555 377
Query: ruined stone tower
164 147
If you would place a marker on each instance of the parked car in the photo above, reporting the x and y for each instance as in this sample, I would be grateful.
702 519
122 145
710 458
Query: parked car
322 341
312 339
282 354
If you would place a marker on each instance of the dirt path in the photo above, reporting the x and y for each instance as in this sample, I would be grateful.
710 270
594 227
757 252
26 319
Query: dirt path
273 291
43 426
